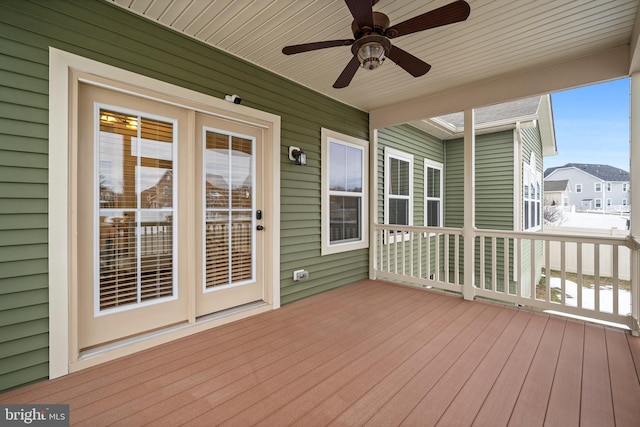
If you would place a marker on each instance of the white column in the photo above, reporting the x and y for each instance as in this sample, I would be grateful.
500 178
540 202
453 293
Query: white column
634 148
373 202
469 227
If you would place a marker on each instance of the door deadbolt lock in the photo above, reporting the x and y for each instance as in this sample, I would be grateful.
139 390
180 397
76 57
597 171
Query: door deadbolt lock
259 228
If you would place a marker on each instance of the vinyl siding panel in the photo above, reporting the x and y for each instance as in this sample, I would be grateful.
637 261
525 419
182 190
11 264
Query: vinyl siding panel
454 184
494 181
106 33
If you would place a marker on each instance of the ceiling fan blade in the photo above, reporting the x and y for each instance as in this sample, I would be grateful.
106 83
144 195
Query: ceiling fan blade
347 74
445 15
306 47
362 11
412 65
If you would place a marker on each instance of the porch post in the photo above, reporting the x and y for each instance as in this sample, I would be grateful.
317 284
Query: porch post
634 148
373 202
469 228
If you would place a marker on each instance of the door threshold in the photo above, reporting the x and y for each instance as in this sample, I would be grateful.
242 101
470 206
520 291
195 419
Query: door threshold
124 347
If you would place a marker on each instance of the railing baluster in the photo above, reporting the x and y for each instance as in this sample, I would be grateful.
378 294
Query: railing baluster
532 283
614 274
437 259
494 264
547 270
596 277
579 274
506 261
482 260
428 253
456 258
387 234
420 254
563 273
519 266
446 258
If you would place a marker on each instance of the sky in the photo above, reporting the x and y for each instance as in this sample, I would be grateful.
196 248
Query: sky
592 125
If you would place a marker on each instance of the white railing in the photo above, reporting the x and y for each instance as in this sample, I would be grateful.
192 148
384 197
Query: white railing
515 268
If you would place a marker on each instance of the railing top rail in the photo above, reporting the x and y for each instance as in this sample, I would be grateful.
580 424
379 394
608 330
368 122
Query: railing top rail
419 228
603 240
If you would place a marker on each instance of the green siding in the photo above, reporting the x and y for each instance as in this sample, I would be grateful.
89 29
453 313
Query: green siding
494 182
106 33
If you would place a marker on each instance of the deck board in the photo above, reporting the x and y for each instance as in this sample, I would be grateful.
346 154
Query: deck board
372 353
498 406
564 403
597 403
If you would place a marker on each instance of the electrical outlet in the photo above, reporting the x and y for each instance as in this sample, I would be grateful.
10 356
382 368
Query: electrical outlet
300 275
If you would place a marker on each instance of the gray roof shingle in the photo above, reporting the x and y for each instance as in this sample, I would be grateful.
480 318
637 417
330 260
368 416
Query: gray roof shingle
603 172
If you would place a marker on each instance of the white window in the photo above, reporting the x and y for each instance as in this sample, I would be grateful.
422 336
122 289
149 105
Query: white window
625 186
608 201
344 192
432 194
598 187
578 188
624 202
398 187
532 196
598 204
608 186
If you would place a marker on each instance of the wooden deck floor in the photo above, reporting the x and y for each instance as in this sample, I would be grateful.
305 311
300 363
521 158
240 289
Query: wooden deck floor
368 354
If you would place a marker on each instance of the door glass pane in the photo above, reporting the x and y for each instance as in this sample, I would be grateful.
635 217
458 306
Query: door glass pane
217 249
241 172
136 189
229 199
241 262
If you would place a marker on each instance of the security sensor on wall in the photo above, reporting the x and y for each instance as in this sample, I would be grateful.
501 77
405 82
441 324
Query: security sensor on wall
233 98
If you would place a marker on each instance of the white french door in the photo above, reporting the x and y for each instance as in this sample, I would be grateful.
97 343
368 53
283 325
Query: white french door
167 223
231 215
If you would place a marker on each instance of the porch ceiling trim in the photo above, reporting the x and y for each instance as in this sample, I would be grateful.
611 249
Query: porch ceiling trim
602 66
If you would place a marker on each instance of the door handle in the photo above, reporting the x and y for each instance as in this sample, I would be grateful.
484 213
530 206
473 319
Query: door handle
259 228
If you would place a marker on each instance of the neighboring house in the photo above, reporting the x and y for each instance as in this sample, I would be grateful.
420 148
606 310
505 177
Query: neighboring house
594 186
556 193
420 167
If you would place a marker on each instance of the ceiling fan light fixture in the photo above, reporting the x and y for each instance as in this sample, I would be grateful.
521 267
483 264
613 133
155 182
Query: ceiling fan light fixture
371 50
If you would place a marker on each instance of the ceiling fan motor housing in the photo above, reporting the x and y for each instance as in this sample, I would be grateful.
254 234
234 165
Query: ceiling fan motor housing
371 50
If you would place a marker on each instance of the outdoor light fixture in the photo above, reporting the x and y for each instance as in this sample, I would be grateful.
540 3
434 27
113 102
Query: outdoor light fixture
371 50
297 155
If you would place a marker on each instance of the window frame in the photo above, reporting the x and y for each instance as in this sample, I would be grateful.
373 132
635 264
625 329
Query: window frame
532 196
578 188
439 166
597 203
391 153
596 185
327 137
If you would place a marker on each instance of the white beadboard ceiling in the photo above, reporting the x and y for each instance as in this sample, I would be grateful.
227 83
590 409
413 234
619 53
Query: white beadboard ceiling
500 38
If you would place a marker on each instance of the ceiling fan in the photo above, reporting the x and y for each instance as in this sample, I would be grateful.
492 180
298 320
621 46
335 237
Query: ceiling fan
371 33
